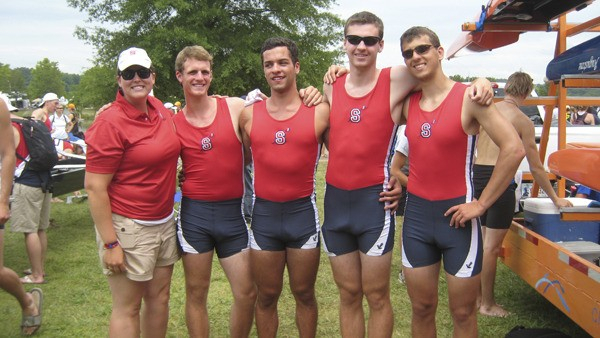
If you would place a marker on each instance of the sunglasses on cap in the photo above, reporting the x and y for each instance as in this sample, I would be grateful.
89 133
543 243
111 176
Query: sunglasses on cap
129 74
421 49
368 40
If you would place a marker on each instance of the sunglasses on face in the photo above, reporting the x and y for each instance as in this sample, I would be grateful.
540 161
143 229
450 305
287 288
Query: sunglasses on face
368 40
421 49
129 74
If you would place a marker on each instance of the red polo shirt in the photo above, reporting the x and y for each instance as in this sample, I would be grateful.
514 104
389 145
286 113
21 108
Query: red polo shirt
141 150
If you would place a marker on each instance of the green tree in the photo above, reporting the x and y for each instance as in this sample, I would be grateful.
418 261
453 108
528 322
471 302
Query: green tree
17 81
232 31
96 88
71 81
5 78
26 72
46 77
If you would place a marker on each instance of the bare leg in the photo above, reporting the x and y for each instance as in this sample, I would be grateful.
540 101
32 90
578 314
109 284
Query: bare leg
463 304
127 301
9 281
267 270
33 246
422 285
303 265
348 277
237 270
491 249
155 313
376 286
197 269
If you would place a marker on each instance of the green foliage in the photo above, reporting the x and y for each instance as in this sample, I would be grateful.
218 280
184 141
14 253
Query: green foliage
71 81
45 78
232 31
26 72
96 88
541 89
5 78
17 81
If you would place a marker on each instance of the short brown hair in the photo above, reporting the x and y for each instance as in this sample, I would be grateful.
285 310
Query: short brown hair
192 52
416 31
364 18
519 84
278 41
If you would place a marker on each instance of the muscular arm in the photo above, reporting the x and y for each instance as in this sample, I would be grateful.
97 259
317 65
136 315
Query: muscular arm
510 155
245 128
527 131
7 155
321 121
236 106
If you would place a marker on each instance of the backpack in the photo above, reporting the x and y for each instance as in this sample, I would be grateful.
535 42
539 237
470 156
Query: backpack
522 332
42 153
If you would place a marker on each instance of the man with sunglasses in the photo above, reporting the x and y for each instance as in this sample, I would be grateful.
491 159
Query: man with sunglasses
358 230
441 221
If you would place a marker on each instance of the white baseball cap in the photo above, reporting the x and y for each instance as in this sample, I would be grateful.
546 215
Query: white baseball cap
49 97
133 56
7 101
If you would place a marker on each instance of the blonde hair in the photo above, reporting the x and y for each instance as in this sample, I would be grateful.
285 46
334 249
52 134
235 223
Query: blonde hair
519 84
192 52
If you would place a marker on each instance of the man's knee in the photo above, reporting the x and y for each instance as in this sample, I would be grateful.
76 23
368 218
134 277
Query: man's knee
424 307
305 295
463 313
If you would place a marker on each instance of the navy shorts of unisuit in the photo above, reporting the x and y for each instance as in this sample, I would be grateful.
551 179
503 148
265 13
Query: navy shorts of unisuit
206 226
427 238
356 220
280 225
500 214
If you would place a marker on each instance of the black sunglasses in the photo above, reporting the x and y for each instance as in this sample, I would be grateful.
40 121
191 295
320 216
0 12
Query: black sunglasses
421 49
129 74
368 40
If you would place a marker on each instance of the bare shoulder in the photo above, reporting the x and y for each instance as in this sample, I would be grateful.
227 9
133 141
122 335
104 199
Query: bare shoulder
235 104
36 114
523 124
401 78
327 92
246 115
322 108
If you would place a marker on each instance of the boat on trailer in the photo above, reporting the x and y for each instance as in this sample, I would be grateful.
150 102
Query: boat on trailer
567 277
68 175
581 59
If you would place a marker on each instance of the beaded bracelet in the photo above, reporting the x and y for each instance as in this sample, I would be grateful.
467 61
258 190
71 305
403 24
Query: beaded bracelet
111 245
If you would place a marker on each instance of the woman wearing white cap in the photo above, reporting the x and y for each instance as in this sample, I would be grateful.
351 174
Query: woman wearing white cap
130 181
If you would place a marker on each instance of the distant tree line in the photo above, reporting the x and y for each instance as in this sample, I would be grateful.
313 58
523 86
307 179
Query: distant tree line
232 31
32 83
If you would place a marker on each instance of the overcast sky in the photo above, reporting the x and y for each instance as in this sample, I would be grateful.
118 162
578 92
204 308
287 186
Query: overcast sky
31 30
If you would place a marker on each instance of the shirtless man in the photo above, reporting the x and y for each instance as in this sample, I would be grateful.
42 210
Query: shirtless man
366 107
285 138
441 214
497 219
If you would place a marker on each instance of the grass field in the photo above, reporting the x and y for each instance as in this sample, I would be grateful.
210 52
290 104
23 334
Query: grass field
77 300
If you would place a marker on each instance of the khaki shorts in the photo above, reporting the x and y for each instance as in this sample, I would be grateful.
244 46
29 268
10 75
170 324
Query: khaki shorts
145 247
30 209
